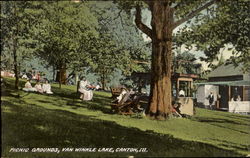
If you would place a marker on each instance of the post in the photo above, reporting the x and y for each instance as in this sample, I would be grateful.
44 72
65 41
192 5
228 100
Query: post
243 93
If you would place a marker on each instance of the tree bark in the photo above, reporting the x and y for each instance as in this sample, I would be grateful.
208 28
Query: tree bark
103 79
61 74
15 63
14 37
160 92
162 23
53 75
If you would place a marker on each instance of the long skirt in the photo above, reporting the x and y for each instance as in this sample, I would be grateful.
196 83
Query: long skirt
86 94
30 89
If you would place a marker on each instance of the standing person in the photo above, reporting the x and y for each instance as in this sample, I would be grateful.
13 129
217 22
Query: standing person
86 94
47 87
211 99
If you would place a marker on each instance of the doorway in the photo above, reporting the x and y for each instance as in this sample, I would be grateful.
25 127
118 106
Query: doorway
223 101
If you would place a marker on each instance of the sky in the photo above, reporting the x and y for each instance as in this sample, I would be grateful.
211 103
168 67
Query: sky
146 18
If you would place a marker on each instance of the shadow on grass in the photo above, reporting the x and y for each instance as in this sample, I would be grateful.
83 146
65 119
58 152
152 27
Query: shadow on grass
99 102
233 145
219 122
32 126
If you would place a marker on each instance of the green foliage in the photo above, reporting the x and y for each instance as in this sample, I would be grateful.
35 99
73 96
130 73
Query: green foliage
120 43
121 28
185 63
108 57
65 33
16 19
226 24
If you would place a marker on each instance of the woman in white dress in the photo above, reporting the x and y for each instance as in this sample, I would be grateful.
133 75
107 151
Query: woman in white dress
38 87
85 93
28 87
47 88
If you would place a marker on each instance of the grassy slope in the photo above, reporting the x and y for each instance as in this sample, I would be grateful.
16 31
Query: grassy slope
62 120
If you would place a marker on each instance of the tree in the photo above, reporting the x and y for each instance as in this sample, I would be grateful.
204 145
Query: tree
15 38
120 45
185 63
228 25
166 16
65 34
108 57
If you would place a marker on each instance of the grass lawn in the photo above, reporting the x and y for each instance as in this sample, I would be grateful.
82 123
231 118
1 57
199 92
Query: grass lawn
31 120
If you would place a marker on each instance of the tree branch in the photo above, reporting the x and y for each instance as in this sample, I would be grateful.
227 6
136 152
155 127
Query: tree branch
140 62
138 21
193 13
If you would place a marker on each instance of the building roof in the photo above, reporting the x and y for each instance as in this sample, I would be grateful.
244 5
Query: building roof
227 83
226 70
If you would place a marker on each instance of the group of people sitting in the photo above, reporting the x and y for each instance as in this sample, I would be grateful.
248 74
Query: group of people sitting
131 97
41 88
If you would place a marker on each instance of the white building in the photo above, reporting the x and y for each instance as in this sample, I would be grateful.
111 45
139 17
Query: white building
227 84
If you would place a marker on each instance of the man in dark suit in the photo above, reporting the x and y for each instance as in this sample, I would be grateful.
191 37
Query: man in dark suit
211 99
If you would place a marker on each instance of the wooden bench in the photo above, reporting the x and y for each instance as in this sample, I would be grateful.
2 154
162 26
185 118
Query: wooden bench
115 91
127 106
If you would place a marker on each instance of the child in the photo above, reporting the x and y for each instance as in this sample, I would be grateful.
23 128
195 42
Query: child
38 87
47 88
28 87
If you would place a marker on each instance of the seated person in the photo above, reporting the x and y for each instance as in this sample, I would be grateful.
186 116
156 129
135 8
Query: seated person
24 76
90 87
47 88
28 87
238 98
86 94
119 98
125 96
38 87
176 109
182 93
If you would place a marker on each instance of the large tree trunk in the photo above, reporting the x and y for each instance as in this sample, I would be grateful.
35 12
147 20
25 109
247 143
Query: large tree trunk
160 93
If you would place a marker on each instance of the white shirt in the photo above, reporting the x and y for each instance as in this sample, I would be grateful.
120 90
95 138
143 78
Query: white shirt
25 76
121 95
46 87
38 87
83 84
27 85
181 93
